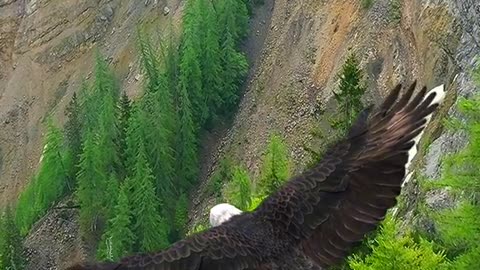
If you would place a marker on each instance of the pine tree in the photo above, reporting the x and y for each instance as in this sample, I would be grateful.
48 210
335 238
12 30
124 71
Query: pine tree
234 64
351 90
241 19
99 165
235 68
150 228
51 179
190 78
48 186
92 184
186 144
118 240
25 214
233 18
158 106
125 112
73 138
11 249
181 214
275 166
239 190
211 59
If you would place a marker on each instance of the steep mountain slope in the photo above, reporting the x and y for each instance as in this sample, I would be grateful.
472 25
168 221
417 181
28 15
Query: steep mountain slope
396 41
47 48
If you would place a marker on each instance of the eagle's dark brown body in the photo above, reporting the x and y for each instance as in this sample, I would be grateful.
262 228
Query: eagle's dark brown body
316 217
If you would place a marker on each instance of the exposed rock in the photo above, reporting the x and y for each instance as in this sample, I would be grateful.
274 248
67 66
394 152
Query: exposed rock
6 2
55 238
166 11
467 12
446 144
439 199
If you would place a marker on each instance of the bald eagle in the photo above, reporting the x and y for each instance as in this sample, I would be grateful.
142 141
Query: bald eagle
320 214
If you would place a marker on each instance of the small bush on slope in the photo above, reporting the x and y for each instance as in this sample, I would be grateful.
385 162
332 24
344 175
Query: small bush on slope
391 251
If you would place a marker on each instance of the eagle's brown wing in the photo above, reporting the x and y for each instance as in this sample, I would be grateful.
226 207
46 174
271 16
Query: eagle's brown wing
333 205
221 247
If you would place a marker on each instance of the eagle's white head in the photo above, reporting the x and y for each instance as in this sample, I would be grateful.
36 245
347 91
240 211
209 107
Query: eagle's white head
222 212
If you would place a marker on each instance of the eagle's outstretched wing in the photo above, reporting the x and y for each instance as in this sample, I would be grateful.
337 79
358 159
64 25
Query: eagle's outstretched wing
333 205
325 210
223 247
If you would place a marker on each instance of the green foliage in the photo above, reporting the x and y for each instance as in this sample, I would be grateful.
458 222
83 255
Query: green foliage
395 10
150 227
367 4
125 108
239 190
186 144
73 137
181 214
256 201
197 229
210 58
391 251
159 119
351 89
99 162
459 228
11 249
25 214
48 186
92 183
222 175
190 78
275 168
234 63
118 240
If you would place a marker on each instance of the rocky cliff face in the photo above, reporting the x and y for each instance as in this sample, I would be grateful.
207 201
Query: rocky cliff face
396 41
46 48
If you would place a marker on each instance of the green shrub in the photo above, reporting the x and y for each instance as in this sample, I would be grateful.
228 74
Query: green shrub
391 251
366 4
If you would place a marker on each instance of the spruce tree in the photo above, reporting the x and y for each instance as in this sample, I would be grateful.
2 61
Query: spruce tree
186 143
150 228
124 114
275 166
99 165
73 138
11 248
241 19
235 68
48 186
118 240
211 63
190 78
51 179
158 106
92 184
25 214
351 89
239 190
181 215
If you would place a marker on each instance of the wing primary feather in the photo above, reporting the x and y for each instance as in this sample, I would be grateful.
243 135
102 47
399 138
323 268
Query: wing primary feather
373 168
